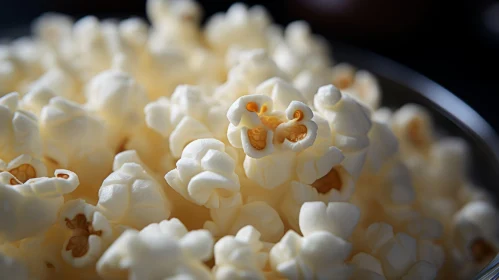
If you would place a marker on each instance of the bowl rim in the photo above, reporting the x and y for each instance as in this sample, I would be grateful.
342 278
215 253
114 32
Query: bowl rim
451 106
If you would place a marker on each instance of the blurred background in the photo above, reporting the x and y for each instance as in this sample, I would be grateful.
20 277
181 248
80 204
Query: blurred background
455 44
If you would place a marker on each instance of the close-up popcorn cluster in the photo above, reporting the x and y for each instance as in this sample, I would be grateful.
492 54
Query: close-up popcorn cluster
233 150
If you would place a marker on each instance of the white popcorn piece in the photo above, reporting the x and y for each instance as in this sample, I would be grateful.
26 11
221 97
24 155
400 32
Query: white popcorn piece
130 196
135 32
240 26
205 175
11 72
413 126
309 81
350 124
475 232
188 130
252 68
425 228
281 92
271 171
54 30
383 145
32 207
134 254
317 256
360 84
256 128
338 218
36 99
323 249
88 231
118 100
258 214
240 256
76 140
336 186
19 130
61 80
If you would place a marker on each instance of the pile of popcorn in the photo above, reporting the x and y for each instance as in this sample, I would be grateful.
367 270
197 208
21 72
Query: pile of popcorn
234 150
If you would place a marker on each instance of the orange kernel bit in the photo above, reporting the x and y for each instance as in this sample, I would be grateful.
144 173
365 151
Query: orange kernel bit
258 138
63 176
331 180
252 107
81 230
298 115
23 172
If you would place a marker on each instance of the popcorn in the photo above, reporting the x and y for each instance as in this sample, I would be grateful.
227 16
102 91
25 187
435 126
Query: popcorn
88 233
383 145
240 256
414 128
205 175
361 84
19 130
350 124
255 127
130 196
31 207
36 99
239 26
475 233
10 71
271 171
76 140
23 168
281 92
13 268
135 255
301 50
251 68
323 249
258 214
54 30
118 100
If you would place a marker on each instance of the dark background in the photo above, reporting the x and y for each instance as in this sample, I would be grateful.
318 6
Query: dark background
456 44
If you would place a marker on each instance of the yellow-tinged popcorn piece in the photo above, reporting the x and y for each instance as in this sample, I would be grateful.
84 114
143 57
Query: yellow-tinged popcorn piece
258 214
240 26
23 168
205 175
76 140
281 92
383 145
19 130
310 80
240 256
60 79
413 126
119 101
10 71
135 255
475 233
251 68
88 233
35 99
32 207
130 196
323 249
271 171
361 84
257 128
367 267
350 123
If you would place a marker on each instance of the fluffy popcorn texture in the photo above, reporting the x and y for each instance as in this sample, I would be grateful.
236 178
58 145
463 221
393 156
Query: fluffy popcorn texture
205 175
117 99
259 214
322 250
135 255
31 207
130 196
240 256
350 124
88 233
241 127
74 139
19 130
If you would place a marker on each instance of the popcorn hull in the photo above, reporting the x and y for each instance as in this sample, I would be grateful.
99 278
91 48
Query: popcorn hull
402 85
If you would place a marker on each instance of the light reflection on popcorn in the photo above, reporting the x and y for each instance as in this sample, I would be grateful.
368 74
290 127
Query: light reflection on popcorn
246 129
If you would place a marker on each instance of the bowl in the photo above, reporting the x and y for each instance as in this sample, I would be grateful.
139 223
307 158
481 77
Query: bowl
453 117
